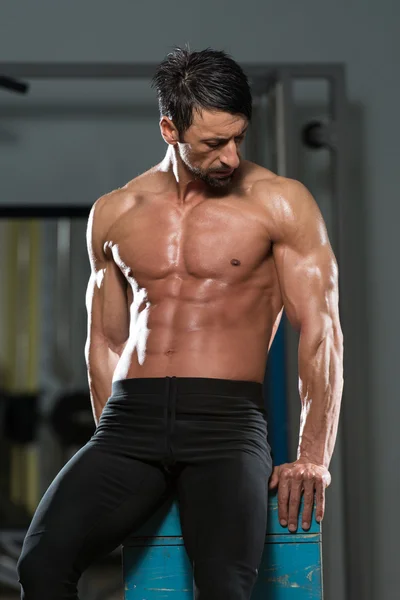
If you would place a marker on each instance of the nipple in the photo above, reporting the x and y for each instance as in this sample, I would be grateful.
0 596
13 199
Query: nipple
235 262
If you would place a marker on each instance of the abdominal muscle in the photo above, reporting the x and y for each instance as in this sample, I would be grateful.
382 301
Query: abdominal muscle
175 339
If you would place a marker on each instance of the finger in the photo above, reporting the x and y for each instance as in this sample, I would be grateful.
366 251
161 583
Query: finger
320 500
308 496
294 503
283 499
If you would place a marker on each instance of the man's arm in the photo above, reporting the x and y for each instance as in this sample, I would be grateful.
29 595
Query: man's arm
107 308
308 277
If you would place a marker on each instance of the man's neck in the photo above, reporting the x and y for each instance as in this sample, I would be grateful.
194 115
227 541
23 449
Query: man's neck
187 185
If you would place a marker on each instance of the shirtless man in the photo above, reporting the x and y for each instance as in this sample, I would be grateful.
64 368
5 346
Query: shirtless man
192 264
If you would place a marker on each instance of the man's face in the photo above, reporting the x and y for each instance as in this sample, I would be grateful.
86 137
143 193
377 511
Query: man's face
210 148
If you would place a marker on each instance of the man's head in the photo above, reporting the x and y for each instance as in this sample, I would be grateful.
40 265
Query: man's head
205 107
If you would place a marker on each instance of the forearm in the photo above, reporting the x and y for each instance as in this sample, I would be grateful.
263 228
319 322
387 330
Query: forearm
321 387
101 362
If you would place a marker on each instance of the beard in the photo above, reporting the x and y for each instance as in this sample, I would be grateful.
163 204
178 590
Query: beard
207 176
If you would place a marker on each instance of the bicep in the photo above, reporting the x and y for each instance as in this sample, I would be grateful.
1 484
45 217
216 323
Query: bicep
106 295
305 263
107 304
309 284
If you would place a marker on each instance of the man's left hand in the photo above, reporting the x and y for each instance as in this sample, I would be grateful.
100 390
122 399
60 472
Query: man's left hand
294 478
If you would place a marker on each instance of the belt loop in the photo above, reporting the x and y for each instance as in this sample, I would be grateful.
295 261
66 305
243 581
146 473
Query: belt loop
168 382
174 394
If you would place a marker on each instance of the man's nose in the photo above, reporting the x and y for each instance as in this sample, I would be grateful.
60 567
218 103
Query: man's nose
230 156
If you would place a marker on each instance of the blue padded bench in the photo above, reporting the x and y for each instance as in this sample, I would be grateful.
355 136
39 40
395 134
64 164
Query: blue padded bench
156 566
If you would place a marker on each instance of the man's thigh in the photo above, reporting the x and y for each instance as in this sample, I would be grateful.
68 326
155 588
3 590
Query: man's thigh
95 501
223 508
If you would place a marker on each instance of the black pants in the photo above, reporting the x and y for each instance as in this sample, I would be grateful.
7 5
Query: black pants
204 438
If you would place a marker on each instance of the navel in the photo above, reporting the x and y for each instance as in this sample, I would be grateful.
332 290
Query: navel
235 262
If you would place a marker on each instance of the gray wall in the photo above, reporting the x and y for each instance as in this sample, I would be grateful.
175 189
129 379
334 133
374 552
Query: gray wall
364 35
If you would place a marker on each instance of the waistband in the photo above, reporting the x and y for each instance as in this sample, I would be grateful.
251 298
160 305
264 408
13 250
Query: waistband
206 386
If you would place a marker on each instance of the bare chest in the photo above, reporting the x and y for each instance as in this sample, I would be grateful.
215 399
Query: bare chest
227 241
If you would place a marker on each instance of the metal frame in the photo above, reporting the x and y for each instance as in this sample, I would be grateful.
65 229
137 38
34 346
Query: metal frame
280 80
43 211
46 70
336 548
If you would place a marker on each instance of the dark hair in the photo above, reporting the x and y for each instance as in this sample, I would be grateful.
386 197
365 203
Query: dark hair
186 81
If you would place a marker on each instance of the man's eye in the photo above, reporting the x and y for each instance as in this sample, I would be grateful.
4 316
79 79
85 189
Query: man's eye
213 145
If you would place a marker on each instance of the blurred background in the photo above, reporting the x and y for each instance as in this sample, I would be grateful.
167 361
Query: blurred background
326 92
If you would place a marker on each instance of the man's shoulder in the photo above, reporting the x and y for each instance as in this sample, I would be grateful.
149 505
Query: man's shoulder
111 205
268 184
274 190
287 202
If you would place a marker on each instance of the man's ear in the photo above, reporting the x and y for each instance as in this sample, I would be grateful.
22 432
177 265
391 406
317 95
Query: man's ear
168 131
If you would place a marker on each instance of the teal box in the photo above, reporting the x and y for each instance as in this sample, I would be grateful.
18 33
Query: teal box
156 566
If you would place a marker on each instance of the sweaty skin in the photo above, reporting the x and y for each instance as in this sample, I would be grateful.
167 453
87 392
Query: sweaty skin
196 288
182 289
